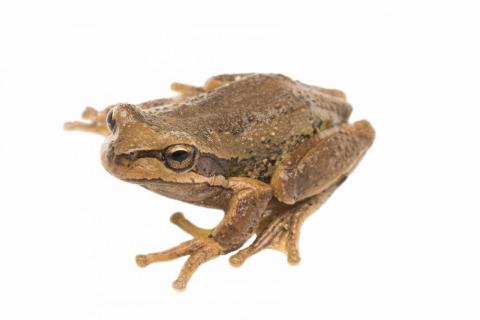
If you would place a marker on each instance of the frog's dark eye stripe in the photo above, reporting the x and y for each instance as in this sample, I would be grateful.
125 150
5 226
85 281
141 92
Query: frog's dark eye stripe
180 157
111 123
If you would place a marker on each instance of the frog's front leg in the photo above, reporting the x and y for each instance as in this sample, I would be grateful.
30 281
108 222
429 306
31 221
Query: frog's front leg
242 216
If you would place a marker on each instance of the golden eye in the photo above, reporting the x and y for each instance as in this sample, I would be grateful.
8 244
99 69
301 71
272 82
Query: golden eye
180 157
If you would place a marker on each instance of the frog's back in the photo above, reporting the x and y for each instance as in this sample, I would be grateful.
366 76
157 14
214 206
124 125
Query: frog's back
257 118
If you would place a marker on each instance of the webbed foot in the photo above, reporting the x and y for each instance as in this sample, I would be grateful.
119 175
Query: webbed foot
282 232
279 235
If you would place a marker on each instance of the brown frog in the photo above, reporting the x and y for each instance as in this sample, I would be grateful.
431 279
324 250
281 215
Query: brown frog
264 148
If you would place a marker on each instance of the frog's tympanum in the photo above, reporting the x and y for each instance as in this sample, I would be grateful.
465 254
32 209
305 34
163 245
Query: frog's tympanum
265 149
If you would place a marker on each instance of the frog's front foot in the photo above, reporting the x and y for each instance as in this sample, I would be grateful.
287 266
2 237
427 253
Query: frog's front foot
200 250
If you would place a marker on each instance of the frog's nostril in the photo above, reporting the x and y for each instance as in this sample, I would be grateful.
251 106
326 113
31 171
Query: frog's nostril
111 123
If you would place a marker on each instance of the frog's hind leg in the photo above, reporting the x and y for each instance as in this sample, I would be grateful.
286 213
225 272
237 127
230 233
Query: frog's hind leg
321 161
183 223
282 233
304 180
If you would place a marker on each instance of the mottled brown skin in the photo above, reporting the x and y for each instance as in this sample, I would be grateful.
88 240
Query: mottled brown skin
264 148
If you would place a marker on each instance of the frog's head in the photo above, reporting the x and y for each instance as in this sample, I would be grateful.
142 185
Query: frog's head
144 147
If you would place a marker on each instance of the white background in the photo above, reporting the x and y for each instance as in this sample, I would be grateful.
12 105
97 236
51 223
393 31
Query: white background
399 240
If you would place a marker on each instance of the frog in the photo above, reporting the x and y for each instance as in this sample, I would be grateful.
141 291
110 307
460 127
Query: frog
265 149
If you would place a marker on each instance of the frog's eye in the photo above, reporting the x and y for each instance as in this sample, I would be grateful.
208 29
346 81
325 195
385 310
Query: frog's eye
180 157
111 123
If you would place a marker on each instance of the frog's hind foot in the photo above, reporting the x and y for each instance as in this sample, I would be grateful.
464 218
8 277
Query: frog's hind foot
282 232
183 223
212 83
275 236
279 235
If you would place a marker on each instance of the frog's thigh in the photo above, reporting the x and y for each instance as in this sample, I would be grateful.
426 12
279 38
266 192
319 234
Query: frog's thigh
322 161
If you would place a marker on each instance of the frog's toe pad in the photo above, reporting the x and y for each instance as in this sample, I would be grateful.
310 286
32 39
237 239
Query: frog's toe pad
237 259
142 260
179 285
293 259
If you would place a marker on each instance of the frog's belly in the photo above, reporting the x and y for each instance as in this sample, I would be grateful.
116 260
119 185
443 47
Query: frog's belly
197 193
